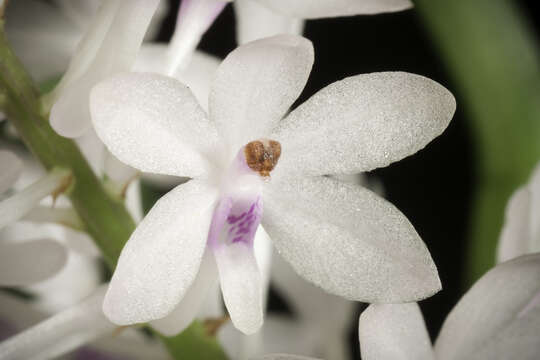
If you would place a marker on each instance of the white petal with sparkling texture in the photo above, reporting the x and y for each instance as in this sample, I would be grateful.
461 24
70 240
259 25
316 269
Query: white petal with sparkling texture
61 333
190 305
394 332
362 123
255 86
348 241
115 51
29 262
255 21
153 123
498 318
11 169
241 285
197 75
515 235
310 9
161 259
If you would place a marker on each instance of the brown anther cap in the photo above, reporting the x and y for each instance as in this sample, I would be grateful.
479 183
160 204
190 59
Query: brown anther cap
262 155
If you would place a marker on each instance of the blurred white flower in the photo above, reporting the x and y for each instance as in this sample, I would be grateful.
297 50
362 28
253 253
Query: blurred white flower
520 234
44 35
343 238
498 318
11 170
79 325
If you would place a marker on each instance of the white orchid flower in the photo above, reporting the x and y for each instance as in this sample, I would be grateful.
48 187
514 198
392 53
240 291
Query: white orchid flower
108 47
341 237
82 324
520 234
44 35
498 318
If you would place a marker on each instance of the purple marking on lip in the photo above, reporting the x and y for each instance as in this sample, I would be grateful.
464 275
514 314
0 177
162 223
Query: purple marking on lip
231 223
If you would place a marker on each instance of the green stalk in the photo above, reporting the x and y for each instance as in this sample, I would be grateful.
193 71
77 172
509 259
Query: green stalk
105 217
495 64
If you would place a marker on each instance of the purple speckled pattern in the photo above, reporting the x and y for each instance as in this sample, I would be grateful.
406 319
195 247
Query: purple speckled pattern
235 221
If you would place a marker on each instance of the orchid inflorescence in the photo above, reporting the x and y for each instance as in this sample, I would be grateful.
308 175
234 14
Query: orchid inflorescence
250 175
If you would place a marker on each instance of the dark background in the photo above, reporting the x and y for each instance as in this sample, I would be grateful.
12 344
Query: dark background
432 188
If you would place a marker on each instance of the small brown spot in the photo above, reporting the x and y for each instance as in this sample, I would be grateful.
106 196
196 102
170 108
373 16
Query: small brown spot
262 155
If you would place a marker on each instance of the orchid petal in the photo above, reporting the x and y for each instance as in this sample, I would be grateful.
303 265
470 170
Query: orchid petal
115 38
255 86
194 18
20 204
11 169
42 38
348 241
498 318
153 123
394 332
30 261
534 188
515 234
240 281
309 9
263 248
161 259
190 305
255 21
60 333
362 123
197 75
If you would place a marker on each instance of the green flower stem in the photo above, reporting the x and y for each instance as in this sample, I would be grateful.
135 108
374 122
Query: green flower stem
494 61
104 217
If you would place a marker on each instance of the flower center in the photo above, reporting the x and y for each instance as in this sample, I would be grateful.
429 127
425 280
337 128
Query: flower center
262 155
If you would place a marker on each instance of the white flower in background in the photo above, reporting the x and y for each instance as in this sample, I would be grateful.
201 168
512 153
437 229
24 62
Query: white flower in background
44 35
79 325
109 46
497 319
520 234
11 170
343 238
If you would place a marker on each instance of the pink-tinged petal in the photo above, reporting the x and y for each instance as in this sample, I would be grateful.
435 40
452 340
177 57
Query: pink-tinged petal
240 281
30 262
309 9
153 123
194 18
498 318
515 236
11 169
255 21
255 86
197 75
161 259
394 332
190 305
348 241
362 123
234 224
108 48
61 333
